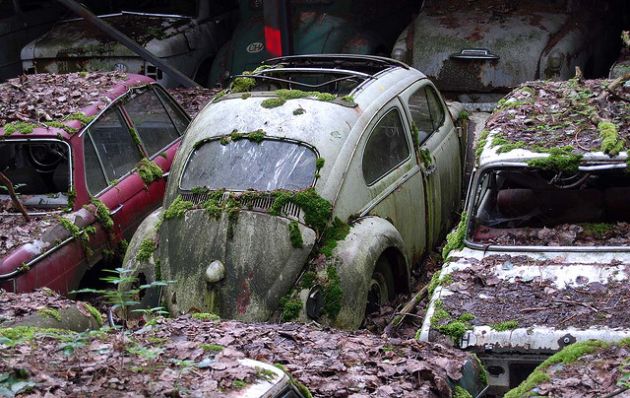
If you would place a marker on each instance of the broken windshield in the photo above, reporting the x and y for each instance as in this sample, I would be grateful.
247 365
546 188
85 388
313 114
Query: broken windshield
38 170
529 207
244 164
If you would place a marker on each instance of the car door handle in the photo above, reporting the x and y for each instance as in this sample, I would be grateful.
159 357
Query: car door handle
116 210
429 170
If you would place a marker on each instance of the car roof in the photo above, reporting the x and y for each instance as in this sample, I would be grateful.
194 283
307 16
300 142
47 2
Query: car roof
540 117
34 105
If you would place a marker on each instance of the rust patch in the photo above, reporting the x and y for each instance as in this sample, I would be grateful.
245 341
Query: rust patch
244 298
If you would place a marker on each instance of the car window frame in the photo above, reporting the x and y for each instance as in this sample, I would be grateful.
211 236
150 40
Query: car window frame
430 88
162 95
426 87
410 150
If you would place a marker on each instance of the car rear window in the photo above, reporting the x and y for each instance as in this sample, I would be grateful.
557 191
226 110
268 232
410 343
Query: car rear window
38 170
530 207
243 164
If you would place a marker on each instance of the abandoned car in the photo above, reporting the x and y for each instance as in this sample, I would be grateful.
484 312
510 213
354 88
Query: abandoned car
541 257
477 51
297 204
186 34
82 162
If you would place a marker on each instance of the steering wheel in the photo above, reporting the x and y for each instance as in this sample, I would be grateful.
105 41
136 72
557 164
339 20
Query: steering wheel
45 157
563 181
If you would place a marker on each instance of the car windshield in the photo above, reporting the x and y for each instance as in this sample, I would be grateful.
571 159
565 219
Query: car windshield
243 164
38 170
529 207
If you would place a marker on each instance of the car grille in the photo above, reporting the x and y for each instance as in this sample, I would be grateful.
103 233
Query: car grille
261 204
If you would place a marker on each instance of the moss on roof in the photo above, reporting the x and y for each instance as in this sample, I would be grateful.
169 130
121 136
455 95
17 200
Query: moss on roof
44 98
579 116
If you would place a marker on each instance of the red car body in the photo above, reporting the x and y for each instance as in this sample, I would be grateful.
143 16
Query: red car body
58 259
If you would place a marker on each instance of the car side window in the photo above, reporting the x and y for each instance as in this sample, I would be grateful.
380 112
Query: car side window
436 108
178 117
386 147
421 114
151 121
115 151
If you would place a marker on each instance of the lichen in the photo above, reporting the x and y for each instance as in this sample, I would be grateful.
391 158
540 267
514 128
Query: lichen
505 325
102 214
455 239
178 208
149 171
146 249
295 235
611 143
51 313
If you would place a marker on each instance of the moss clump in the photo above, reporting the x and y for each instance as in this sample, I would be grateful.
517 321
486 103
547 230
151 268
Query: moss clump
147 247
11 337
80 117
213 208
560 159
460 392
96 314
301 388
149 171
299 111
291 308
504 145
178 208
481 143
568 355
506 325
81 235
425 157
256 136
442 322
336 232
102 214
332 293
349 99
242 84
483 374
51 313
72 197
19 127
199 190
245 95
60 125
211 347
272 103
611 144
455 239
319 163
205 316
308 280
295 235
327 97
218 96
317 210
596 230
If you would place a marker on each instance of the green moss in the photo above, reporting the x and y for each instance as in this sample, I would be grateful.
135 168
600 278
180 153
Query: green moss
272 103
349 99
51 313
80 117
463 115
319 163
239 384
442 321
146 249
504 104
596 230
611 143
291 308
72 197
308 280
211 347
299 111
336 232
466 317
81 235
327 97
559 160
455 239
149 171
199 190
481 143
425 157
102 214
301 388
245 95
178 208
61 125
213 208
332 293
434 283
295 235
317 210
242 84
218 96
291 94
19 127
568 355
96 314
506 325
256 136
483 373
460 392
17 335
205 316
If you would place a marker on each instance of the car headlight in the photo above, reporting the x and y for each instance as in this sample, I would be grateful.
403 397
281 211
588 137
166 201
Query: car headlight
315 302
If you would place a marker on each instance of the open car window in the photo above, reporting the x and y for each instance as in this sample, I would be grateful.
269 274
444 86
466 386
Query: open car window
244 164
39 171
529 207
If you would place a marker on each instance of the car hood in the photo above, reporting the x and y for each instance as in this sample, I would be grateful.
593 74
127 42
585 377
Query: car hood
259 262
78 38
518 39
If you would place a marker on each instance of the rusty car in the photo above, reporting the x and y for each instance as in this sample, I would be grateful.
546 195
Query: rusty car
288 203
186 34
83 159
541 258
478 51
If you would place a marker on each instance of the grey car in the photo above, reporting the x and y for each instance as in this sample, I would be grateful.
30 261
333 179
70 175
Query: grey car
294 204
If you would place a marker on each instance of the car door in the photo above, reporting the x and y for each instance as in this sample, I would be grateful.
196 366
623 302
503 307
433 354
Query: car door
392 176
439 154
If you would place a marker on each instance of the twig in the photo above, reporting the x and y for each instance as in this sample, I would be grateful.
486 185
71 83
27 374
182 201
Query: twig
532 309
394 323
578 303
612 86
16 202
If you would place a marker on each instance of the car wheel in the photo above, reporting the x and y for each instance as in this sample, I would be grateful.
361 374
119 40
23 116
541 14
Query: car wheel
381 288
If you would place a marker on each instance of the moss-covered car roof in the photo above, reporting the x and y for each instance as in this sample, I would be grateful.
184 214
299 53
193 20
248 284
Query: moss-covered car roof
559 125
49 104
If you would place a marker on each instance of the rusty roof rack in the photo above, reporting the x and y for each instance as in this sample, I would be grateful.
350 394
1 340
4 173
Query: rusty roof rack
368 64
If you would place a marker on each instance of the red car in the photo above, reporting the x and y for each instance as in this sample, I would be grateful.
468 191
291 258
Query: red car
83 159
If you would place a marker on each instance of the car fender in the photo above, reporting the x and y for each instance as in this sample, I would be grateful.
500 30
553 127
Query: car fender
368 239
145 271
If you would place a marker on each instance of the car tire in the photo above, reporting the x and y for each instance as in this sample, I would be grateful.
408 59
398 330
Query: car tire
381 289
